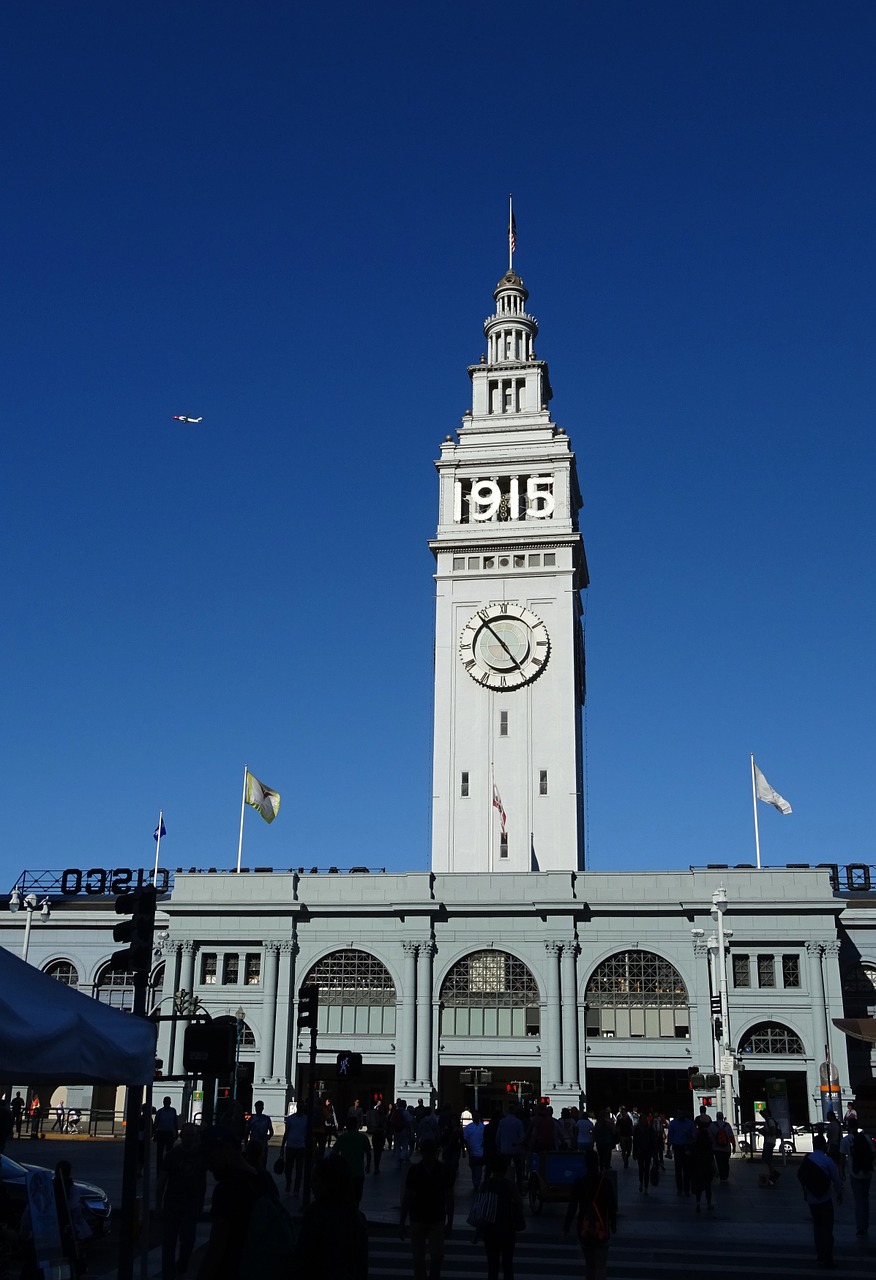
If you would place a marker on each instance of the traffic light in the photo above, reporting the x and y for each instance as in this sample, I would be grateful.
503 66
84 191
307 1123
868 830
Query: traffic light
137 932
308 1006
511 1088
349 1064
719 1028
209 1048
692 1073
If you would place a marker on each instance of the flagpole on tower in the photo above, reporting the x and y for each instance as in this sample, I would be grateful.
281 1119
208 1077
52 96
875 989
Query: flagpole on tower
754 803
242 809
512 233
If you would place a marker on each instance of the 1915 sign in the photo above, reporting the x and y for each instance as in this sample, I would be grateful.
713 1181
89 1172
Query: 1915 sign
98 882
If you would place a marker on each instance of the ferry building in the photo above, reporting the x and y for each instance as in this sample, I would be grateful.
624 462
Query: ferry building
509 966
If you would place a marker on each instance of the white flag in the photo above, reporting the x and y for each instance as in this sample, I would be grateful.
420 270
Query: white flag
262 798
765 792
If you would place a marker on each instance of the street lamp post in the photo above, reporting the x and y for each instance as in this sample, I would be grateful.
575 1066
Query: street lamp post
240 1015
719 906
30 904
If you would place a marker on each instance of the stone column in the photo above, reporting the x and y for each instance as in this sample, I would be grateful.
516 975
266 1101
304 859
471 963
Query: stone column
816 987
830 979
169 1032
551 1030
188 949
569 1015
284 1031
407 1030
269 1011
424 1012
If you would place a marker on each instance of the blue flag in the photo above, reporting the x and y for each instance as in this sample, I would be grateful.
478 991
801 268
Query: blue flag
160 830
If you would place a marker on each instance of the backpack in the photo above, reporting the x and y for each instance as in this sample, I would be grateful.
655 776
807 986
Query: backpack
721 1137
862 1156
593 1224
271 1236
399 1120
812 1178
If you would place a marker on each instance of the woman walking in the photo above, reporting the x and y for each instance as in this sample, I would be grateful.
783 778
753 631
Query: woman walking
594 1207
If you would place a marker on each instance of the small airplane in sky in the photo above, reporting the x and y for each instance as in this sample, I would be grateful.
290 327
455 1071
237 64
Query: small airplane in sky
181 417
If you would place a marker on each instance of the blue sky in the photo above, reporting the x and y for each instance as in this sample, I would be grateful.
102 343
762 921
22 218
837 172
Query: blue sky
290 220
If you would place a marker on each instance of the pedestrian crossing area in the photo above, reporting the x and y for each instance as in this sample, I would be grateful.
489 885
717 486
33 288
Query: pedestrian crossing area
554 1257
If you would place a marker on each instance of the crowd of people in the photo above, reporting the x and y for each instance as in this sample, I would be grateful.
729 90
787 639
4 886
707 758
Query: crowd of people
252 1234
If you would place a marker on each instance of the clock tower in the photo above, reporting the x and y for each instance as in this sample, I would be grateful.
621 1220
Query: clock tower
508 770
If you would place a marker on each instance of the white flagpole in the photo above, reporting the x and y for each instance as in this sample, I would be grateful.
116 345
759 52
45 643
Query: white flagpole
242 809
158 847
754 803
510 224
492 808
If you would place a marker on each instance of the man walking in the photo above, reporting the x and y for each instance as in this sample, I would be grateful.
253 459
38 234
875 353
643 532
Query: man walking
293 1147
819 1177
681 1139
856 1152
428 1200
510 1135
165 1129
473 1135
260 1130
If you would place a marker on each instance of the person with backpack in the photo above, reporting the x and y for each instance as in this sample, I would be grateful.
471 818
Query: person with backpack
771 1135
856 1150
251 1236
820 1180
593 1206
723 1145
702 1165
623 1126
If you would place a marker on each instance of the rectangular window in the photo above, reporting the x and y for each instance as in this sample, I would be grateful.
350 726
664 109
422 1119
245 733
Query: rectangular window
503 724
503 844
534 561
542 782
253 969
474 562
766 971
791 971
550 558
230 968
459 562
208 968
463 784
741 971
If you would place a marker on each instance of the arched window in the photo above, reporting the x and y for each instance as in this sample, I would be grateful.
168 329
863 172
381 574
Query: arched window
771 1039
116 988
859 990
637 994
63 971
247 1039
489 993
356 994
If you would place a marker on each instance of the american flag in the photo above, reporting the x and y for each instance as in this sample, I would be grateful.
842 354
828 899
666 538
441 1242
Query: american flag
512 232
497 804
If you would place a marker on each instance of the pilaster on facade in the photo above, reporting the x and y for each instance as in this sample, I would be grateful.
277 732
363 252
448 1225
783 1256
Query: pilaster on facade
570 1016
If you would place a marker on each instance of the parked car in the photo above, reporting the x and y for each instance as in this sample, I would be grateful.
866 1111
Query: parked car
96 1208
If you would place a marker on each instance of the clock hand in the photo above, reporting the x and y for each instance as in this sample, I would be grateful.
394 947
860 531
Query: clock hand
496 636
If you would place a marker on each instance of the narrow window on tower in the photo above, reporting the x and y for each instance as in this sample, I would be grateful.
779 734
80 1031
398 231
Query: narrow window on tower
503 845
463 784
503 724
542 782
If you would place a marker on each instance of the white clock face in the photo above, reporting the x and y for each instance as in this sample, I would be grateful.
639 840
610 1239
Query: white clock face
504 645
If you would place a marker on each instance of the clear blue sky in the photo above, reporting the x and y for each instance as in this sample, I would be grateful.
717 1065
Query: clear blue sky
290 219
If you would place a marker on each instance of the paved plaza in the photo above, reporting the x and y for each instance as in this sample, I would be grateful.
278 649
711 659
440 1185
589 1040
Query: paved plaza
752 1232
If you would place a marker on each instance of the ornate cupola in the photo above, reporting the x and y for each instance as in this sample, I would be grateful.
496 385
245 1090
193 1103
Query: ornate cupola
510 379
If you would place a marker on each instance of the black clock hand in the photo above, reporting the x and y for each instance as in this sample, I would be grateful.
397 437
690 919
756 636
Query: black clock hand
496 636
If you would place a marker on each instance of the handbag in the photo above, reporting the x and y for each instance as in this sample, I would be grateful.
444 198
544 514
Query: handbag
279 1165
484 1209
